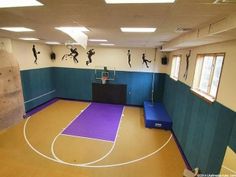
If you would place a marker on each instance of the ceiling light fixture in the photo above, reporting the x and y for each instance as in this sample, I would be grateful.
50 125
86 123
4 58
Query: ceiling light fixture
137 1
138 30
29 39
17 29
97 40
52 43
17 3
106 44
76 33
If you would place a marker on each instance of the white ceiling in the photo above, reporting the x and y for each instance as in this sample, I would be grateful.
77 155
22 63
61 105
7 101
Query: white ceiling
104 21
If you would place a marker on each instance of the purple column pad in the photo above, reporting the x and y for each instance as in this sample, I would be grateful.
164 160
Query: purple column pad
98 121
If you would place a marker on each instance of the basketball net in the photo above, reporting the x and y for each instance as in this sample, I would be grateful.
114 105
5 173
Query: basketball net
104 79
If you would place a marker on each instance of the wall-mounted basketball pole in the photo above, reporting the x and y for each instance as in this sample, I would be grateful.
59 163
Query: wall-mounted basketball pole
153 76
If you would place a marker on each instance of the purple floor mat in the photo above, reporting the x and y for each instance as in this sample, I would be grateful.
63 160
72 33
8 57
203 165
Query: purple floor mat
98 121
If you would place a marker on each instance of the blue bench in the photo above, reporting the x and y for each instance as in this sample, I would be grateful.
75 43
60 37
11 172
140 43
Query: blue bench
156 116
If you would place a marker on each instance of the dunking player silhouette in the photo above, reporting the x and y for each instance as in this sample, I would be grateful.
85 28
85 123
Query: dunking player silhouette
35 54
129 58
74 53
146 60
90 53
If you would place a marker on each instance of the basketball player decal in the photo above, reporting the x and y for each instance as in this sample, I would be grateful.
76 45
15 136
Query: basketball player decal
187 65
73 54
90 53
129 58
146 61
35 53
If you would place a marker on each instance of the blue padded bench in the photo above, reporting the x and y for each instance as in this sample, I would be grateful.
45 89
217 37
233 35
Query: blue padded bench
156 116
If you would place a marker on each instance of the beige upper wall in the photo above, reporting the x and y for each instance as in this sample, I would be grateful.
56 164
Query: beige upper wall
226 93
113 57
104 56
23 52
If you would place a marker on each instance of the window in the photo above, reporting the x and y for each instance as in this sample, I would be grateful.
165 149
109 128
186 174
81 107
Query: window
175 67
207 75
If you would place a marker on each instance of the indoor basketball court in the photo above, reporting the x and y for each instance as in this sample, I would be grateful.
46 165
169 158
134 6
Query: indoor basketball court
117 88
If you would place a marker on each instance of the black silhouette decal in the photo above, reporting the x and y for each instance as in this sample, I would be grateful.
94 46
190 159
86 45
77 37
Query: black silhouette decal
146 61
129 58
35 53
53 56
90 53
187 65
73 54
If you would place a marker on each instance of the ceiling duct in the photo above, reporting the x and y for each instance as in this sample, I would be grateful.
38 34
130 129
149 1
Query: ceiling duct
224 1
183 30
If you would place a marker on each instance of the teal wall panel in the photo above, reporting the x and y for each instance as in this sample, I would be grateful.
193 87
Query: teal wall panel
233 136
77 84
74 83
204 130
36 83
221 138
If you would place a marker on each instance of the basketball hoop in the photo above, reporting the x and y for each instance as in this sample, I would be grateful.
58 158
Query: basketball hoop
104 79
104 73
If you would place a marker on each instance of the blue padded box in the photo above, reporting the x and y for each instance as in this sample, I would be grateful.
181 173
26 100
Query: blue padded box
156 116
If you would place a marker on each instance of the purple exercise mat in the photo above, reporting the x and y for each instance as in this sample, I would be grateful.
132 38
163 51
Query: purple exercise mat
98 121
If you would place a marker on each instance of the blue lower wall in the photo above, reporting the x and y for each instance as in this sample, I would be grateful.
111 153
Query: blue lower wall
232 142
204 130
77 84
74 83
35 83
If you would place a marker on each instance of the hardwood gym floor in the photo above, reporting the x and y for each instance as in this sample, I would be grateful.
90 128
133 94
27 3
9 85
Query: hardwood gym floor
137 151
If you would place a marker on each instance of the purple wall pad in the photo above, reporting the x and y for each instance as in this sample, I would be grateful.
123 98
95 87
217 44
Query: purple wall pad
40 107
98 121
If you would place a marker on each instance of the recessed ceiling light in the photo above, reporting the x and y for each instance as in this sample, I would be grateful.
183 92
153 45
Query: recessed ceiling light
29 39
97 40
137 1
106 44
138 30
17 3
17 29
52 43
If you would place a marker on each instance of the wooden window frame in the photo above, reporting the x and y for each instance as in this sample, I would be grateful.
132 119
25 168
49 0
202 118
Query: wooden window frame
195 87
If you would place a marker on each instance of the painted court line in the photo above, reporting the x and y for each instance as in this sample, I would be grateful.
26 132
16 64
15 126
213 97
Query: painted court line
54 140
132 161
86 138
95 161
89 164
113 146
229 169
